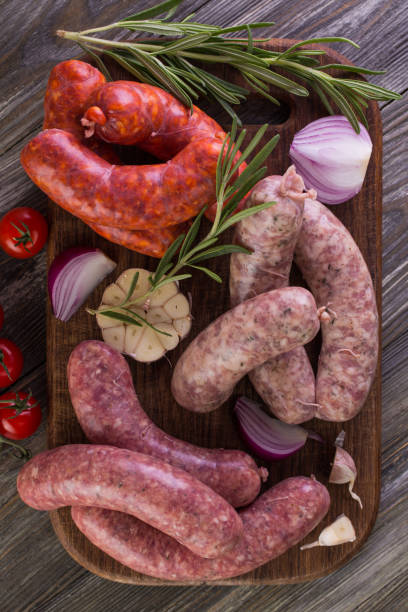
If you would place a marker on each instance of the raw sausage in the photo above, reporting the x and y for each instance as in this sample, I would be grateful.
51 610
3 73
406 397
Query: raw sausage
109 412
238 341
130 113
154 491
131 197
149 242
275 522
334 268
286 383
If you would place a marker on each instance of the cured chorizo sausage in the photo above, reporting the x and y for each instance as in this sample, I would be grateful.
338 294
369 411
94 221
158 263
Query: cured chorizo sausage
276 521
286 383
131 113
109 412
131 197
256 330
157 493
69 87
334 269
149 242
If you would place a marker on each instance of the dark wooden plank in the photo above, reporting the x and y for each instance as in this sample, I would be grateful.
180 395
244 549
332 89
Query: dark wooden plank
48 579
152 382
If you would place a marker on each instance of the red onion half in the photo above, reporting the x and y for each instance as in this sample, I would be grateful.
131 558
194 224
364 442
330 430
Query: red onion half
331 158
269 438
73 275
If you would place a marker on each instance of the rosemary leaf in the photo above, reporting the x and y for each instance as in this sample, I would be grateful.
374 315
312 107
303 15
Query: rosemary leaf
167 257
207 271
131 288
158 9
118 316
224 249
193 231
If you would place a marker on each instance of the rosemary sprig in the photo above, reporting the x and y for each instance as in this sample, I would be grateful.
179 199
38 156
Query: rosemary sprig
185 251
171 64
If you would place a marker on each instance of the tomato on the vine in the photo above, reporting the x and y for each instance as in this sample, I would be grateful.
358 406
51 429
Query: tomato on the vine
1 316
23 232
20 415
11 362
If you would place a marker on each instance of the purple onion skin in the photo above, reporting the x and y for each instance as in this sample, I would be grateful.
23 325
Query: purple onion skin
61 260
261 452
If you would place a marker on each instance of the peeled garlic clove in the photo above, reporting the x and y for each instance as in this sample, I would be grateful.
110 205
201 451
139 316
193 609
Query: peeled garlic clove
166 309
344 471
339 532
115 337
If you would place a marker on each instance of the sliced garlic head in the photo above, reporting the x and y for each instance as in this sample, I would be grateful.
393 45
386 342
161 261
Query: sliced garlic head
166 309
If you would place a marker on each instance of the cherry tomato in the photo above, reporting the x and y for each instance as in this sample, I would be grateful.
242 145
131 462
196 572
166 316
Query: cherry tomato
23 232
1 316
11 362
20 415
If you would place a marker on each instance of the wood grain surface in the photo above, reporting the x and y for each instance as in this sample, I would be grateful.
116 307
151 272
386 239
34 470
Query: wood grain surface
209 300
35 571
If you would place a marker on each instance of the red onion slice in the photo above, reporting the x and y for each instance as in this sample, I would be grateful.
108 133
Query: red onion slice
268 437
73 275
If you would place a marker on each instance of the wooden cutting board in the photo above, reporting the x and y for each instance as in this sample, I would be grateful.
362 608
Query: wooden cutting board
362 216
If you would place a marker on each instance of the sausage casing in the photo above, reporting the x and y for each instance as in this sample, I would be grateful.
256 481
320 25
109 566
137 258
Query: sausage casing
276 521
109 412
132 197
334 269
286 383
256 330
157 493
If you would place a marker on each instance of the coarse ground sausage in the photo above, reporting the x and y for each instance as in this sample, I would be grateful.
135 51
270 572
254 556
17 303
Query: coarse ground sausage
334 269
149 242
286 383
109 412
157 493
131 197
276 521
256 330
131 113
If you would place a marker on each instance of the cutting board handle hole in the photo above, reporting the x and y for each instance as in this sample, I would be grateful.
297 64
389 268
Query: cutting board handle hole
256 110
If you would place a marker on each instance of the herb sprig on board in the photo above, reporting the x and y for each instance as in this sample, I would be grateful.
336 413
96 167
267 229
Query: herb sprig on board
188 252
172 64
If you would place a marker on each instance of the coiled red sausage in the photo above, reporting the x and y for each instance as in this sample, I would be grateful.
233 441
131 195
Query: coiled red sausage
131 197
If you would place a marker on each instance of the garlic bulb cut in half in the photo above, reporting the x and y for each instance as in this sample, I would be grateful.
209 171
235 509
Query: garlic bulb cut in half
166 310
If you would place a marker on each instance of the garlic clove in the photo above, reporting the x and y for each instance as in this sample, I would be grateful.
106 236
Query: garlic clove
163 294
182 326
339 532
344 471
143 284
113 295
177 307
115 337
157 315
133 335
168 342
149 347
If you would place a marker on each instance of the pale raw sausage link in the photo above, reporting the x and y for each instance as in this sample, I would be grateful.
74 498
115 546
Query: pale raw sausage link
275 522
102 394
157 493
286 383
238 341
334 268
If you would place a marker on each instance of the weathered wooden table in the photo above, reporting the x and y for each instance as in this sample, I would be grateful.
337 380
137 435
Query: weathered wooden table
35 572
